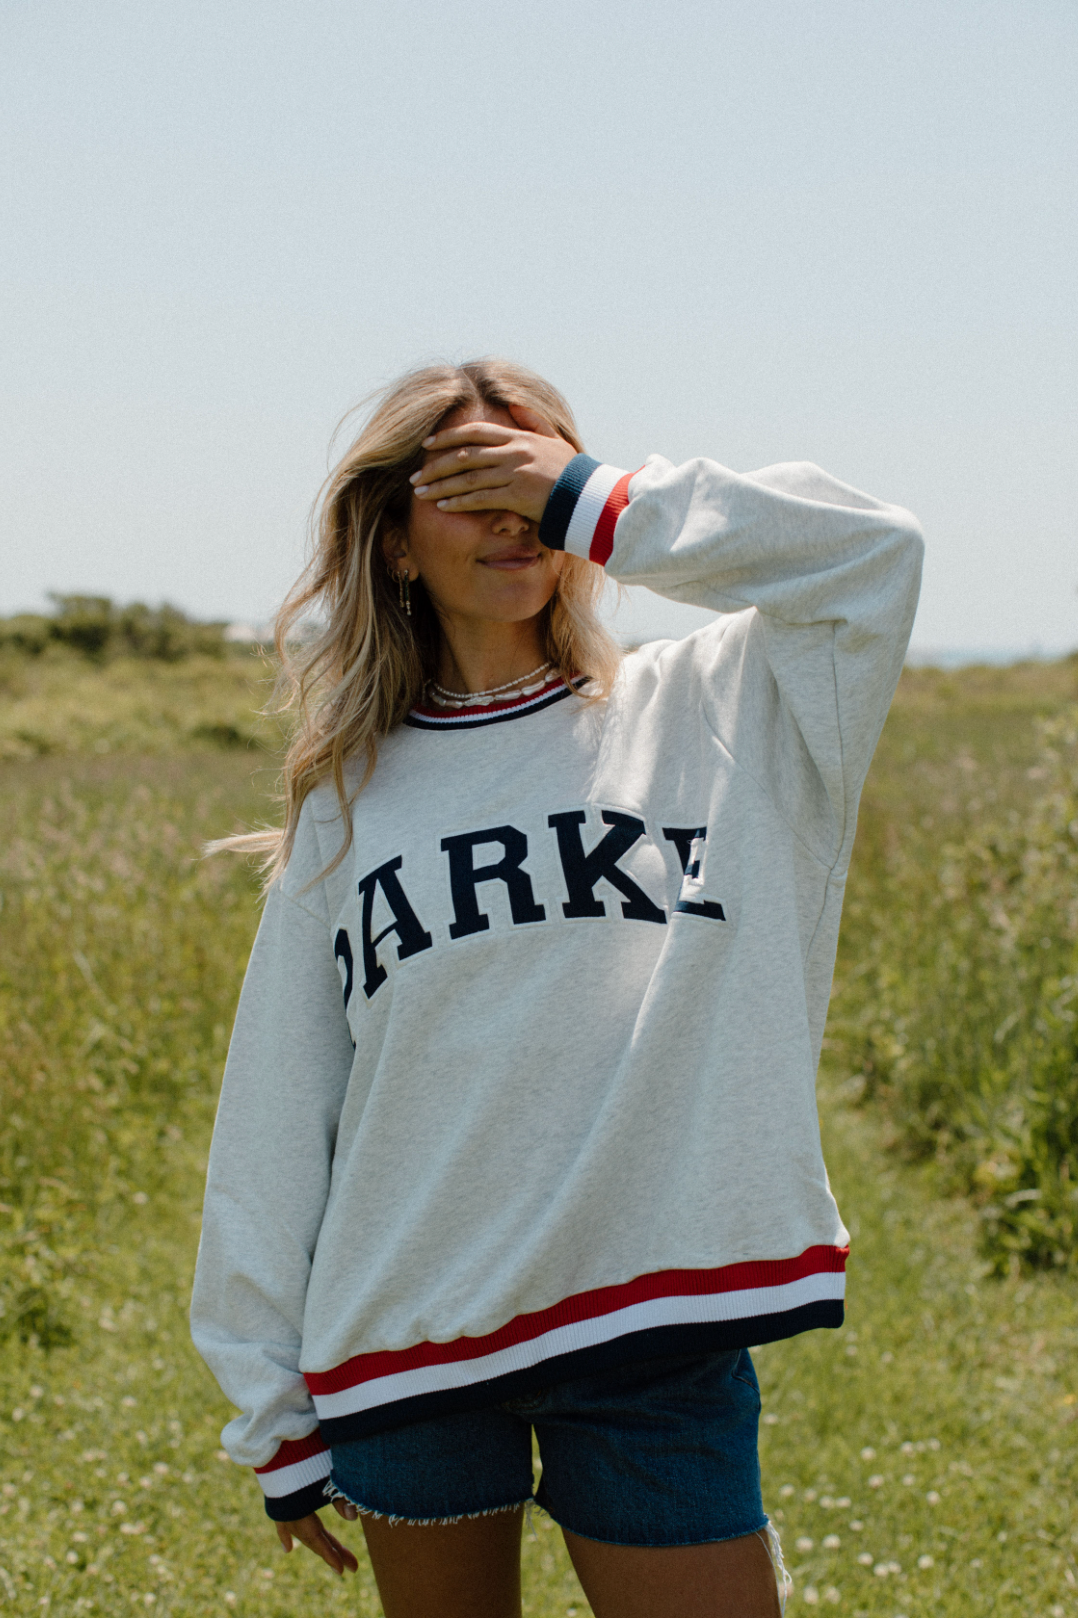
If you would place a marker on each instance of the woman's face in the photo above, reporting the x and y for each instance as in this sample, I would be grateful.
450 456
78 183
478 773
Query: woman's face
477 564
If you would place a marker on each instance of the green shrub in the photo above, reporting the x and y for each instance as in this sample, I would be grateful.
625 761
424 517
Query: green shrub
28 632
958 1003
97 628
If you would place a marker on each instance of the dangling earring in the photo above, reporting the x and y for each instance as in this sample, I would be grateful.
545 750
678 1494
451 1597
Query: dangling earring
404 589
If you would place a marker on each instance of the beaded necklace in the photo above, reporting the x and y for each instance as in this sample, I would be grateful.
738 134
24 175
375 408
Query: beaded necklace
475 699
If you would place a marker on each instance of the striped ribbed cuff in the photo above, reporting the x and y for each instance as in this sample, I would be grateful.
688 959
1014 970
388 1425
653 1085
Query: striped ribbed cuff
294 1481
583 509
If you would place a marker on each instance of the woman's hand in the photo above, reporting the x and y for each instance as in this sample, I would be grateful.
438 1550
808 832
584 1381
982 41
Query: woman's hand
481 466
310 1532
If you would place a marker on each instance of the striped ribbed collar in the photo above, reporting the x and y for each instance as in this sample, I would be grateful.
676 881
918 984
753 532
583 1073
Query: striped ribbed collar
428 716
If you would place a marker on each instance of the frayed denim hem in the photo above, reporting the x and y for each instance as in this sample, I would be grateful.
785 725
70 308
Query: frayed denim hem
773 1545
332 1492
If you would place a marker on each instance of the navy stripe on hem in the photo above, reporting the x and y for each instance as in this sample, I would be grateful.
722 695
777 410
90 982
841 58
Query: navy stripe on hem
561 502
702 1338
291 1507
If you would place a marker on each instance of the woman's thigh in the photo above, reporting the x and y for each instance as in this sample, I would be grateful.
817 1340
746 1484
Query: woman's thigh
471 1569
464 1569
730 1578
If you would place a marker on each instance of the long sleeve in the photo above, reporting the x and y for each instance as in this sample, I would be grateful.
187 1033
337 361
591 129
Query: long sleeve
825 580
268 1180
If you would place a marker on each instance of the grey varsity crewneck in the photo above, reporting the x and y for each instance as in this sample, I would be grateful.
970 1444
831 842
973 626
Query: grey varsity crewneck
526 1085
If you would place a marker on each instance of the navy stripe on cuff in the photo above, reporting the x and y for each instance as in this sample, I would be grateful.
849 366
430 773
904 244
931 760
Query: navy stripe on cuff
561 502
291 1507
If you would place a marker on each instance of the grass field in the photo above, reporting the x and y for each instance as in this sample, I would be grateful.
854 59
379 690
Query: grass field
921 1461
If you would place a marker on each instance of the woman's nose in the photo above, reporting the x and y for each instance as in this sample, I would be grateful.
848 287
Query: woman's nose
510 523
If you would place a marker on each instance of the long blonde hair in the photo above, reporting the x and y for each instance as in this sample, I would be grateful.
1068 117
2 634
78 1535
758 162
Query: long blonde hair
368 664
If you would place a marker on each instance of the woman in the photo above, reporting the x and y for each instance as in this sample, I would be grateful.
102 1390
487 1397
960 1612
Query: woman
518 1125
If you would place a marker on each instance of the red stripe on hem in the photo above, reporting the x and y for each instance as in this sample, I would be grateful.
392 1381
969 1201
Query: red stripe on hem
581 1306
295 1449
602 540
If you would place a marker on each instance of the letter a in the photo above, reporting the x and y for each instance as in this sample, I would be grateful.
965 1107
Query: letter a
464 879
411 936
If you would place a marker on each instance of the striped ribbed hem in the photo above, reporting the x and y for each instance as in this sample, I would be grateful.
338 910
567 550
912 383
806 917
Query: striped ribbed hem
583 509
737 1306
296 1474
708 1338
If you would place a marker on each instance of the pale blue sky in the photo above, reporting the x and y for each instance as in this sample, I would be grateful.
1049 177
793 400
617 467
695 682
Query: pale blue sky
825 229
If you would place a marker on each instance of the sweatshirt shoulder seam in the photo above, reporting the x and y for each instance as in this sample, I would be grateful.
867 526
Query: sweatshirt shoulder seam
307 911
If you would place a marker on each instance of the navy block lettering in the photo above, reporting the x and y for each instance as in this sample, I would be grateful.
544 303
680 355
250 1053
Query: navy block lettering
583 870
342 951
684 838
465 877
411 935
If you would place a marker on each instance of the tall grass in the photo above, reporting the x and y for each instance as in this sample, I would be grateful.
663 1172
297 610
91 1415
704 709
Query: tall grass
62 703
120 956
957 993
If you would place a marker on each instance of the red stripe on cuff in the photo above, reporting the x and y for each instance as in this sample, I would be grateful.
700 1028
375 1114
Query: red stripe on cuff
295 1449
602 540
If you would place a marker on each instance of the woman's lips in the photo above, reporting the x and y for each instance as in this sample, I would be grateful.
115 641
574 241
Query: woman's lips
510 561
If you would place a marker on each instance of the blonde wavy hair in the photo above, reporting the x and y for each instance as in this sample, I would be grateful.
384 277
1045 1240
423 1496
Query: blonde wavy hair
368 664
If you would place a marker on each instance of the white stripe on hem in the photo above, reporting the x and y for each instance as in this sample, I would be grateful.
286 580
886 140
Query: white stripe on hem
696 1309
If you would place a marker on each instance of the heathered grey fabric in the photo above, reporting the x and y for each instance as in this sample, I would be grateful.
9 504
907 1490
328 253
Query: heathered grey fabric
556 1105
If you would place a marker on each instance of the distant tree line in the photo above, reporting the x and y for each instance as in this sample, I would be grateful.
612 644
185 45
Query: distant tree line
99 629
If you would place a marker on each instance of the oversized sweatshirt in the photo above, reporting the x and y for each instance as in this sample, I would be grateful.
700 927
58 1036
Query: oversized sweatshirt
525 1086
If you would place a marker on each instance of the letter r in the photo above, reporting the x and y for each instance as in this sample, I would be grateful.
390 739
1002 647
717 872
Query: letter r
464 879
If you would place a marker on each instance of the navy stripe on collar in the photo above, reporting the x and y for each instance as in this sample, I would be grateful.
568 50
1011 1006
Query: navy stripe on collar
429 717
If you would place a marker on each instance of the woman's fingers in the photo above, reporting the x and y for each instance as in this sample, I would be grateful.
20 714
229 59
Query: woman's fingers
482 467
469 432
310 1532
502 462
487 479
531 421
340 1550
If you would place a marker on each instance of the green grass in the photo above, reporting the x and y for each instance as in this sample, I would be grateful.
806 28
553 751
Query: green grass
62 703
956 990
120 959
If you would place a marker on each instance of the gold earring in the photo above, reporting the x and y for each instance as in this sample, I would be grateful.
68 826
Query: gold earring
404 589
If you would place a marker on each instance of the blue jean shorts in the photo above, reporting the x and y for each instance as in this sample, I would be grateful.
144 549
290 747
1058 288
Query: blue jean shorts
656 1453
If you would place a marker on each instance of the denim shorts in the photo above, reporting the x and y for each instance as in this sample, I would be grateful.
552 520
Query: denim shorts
655 1453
